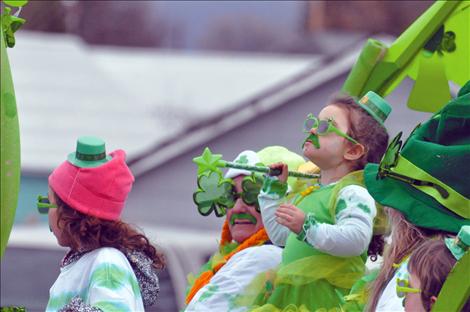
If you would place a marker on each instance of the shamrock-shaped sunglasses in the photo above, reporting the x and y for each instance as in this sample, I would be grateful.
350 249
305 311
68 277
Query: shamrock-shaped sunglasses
251 186
218 195
323 127
44 204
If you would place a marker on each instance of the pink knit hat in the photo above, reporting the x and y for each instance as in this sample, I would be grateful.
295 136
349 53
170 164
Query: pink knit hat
96 191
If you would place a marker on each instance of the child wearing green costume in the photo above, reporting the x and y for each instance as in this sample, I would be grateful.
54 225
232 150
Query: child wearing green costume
326 232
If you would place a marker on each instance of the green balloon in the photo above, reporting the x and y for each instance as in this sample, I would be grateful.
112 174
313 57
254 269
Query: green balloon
10 149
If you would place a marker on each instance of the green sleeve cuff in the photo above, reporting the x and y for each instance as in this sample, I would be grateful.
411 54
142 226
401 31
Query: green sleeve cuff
308 223
272 186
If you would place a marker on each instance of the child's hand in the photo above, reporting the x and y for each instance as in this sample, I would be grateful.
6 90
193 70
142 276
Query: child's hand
291 217
283 168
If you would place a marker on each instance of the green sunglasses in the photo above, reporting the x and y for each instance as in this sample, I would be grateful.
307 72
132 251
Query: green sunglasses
218 195
43 204
251 186
403 282
403 288
323 127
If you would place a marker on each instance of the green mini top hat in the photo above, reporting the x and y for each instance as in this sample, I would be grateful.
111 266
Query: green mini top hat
428 180
459 245
376 106
90 153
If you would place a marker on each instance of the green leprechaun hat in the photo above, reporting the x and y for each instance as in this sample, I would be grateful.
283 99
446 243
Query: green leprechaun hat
90 153
376 106
428 179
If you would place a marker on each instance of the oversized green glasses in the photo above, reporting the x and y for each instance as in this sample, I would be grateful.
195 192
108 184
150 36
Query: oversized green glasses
324 127
251 186
44 204
218 195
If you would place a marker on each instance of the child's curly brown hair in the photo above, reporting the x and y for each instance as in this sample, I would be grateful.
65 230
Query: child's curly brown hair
83 232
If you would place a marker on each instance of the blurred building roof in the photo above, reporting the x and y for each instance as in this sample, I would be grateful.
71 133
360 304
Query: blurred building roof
220 121
133 98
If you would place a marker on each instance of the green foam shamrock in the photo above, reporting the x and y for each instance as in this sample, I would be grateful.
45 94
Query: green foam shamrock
213 194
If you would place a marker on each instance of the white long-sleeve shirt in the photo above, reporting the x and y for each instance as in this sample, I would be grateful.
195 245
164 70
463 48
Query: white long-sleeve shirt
350 236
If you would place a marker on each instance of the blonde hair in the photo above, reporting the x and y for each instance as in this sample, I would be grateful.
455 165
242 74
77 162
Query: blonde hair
406 237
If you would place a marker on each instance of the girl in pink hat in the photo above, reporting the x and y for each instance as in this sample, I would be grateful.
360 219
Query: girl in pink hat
110 265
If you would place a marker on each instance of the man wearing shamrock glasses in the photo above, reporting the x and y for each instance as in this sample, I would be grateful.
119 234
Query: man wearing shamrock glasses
245 250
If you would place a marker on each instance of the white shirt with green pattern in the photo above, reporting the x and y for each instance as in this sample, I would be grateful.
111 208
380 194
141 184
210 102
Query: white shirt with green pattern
350 236
233 278
102 278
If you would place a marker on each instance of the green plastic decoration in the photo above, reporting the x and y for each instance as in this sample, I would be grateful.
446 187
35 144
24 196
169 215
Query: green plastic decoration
209 162
15 3
372 53
390 156
10 24
456 289
433 51
213 194
9 129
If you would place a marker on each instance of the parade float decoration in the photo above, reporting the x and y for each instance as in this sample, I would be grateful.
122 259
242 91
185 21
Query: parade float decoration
433 51
9 131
